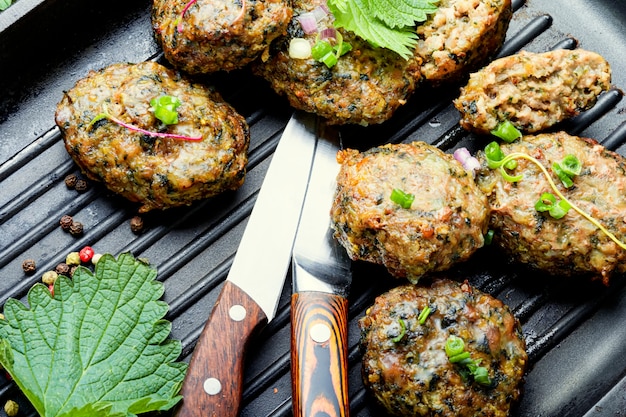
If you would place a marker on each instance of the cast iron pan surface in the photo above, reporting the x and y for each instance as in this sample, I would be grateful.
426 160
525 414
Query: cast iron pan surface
575 330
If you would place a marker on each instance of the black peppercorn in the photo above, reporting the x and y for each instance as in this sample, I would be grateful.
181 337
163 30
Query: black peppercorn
66 222
70 181
81 185
136 224
29 266
76 228
62 269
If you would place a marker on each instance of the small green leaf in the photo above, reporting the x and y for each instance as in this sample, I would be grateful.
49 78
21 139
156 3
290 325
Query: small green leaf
98 347
4 4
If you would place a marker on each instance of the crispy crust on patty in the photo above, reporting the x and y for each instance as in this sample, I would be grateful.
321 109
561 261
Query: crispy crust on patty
461 36
157 172
217 35
444 225
365 87
409 373
571 245
534 91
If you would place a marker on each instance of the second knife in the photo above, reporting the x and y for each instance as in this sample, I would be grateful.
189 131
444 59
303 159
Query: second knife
249 298
319 304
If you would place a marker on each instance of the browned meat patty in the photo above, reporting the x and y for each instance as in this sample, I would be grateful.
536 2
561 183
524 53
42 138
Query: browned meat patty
533 90
365 87
461 37
442 226
157 172
405 363
214 35
571 245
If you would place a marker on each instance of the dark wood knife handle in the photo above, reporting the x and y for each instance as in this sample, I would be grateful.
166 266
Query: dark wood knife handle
319 355
214 381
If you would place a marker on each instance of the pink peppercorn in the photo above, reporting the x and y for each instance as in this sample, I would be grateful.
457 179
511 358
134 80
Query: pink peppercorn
86 254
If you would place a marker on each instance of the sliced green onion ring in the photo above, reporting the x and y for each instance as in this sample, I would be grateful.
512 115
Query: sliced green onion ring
320 49
424 315
164 108
506 131
545 202
401 198
494 155
481 375
454 346
571 165
566 180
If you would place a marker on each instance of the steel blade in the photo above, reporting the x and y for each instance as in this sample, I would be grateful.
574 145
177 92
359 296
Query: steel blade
262 259
320 262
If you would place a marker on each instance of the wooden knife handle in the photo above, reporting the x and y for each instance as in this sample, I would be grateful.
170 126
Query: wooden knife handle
214 381
319 355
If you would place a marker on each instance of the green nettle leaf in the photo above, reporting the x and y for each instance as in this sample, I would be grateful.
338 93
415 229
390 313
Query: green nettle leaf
98 347
4 4
385 23
357 19
400 13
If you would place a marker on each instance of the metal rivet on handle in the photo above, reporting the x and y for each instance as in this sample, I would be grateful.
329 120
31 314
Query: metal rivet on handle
212 386
237 312
320 332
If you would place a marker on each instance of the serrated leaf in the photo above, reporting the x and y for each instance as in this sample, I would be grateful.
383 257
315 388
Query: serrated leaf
401 13
98 347
358 18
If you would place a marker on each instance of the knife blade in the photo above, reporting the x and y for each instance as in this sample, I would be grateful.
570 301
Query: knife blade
249 297
321 273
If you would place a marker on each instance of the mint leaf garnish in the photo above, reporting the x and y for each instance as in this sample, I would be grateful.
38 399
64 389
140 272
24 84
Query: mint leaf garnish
385 23
98 347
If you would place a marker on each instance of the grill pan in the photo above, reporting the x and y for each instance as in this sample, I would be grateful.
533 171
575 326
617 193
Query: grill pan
574 329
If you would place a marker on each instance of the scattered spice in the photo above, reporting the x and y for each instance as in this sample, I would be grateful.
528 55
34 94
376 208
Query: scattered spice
76 228
70 181
49 277
11 408
136 224
66 222
86 254
63 269
95 258
72 258
29 266
81 185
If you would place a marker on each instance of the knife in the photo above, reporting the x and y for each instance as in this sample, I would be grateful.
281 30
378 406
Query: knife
249 297
319 307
